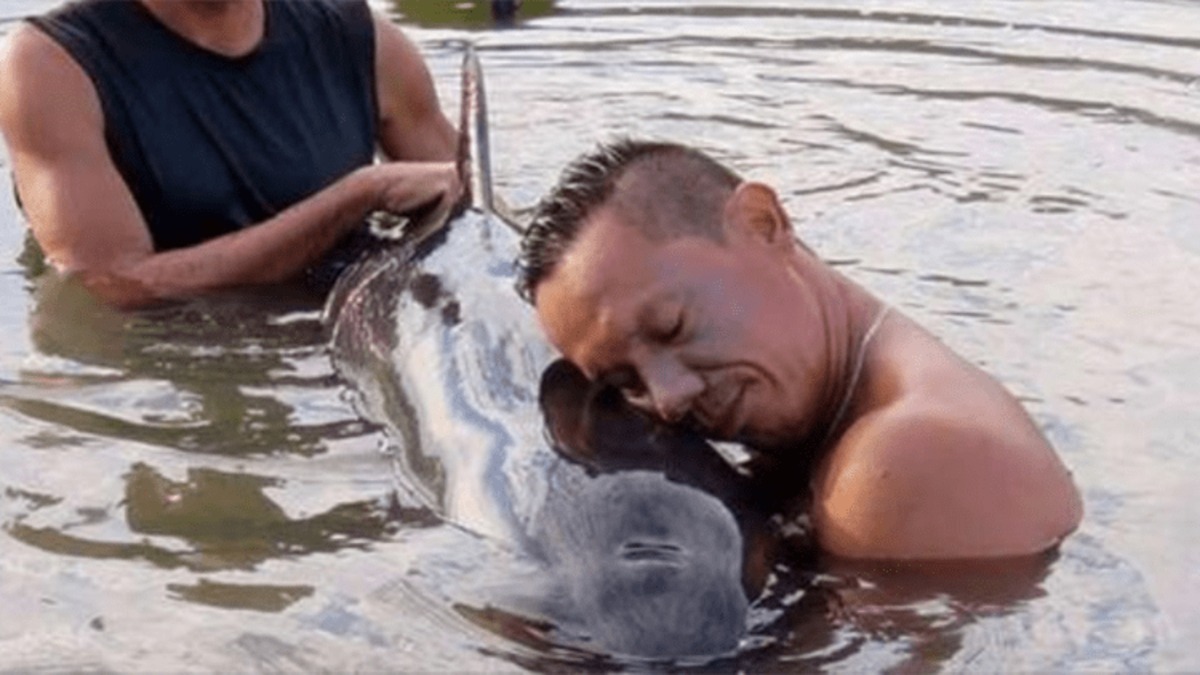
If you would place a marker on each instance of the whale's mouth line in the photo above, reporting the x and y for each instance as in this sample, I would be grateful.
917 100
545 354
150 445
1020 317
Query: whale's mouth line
638 551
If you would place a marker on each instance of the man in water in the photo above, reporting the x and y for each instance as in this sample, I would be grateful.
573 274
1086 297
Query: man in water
165 148
659 271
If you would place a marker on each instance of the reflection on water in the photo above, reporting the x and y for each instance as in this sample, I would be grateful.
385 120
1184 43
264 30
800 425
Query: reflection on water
469 14
187 487
932 606
211 376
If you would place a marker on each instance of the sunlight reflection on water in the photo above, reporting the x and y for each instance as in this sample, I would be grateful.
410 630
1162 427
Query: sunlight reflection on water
191 488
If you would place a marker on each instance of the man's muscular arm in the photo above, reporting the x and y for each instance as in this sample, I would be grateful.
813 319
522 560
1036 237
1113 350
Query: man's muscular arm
411 123
85 218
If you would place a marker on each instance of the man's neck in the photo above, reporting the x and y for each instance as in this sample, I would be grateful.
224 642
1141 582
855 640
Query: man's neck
850 315
231 28
863 316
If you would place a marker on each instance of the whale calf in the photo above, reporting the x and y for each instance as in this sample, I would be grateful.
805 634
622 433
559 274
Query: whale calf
644 530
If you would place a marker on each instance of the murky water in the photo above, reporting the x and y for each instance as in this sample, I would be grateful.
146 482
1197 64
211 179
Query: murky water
190 489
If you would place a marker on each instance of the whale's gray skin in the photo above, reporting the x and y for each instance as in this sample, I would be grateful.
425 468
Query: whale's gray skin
654 541
447 358
451 362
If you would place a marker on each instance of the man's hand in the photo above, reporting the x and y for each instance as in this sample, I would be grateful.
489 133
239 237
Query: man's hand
404 187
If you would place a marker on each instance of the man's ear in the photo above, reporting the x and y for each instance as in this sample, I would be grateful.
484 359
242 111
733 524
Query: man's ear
754 209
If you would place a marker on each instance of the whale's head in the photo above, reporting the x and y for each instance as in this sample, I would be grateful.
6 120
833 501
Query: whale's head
652 567
648 535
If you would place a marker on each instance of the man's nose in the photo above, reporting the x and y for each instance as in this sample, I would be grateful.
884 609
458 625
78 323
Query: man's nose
672 388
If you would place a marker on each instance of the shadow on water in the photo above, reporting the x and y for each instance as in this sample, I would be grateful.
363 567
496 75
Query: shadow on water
470 14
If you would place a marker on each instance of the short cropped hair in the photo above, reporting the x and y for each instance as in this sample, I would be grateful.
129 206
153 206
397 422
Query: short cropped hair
672 190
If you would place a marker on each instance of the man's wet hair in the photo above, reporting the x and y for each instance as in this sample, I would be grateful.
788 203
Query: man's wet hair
665 190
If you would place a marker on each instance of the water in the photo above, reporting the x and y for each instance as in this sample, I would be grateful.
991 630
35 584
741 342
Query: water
190 489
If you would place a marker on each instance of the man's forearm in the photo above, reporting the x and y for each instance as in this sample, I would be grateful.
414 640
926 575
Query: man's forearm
271 251
276 249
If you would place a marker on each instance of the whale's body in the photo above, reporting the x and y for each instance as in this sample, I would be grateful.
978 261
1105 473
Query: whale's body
448 358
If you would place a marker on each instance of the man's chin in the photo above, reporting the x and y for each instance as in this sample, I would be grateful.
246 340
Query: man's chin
762 442
766 442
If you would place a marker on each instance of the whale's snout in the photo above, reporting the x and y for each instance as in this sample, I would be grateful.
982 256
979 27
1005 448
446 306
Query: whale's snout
653 568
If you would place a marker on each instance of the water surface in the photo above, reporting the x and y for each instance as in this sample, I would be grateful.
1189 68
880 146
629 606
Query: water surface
191 489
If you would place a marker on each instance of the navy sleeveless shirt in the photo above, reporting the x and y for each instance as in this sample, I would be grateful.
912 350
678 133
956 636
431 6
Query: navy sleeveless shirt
209 144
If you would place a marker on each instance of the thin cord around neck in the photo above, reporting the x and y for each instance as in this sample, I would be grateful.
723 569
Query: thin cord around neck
856 370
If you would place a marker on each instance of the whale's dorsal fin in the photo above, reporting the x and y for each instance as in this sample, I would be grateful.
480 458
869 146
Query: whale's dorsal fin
472 157
474 152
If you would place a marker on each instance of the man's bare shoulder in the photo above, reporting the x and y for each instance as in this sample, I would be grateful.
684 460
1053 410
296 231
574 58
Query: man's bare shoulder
949 466
27 53
44 93
412 126
399 68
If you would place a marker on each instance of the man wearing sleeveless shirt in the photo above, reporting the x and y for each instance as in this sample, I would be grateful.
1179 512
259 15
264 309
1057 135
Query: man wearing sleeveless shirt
165 148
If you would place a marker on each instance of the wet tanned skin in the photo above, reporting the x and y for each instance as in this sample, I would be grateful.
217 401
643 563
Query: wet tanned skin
755 339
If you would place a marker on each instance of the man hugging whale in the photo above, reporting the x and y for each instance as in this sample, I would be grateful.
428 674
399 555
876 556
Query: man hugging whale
660 272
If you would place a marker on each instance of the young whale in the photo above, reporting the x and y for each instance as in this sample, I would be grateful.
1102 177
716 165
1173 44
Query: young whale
644 530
